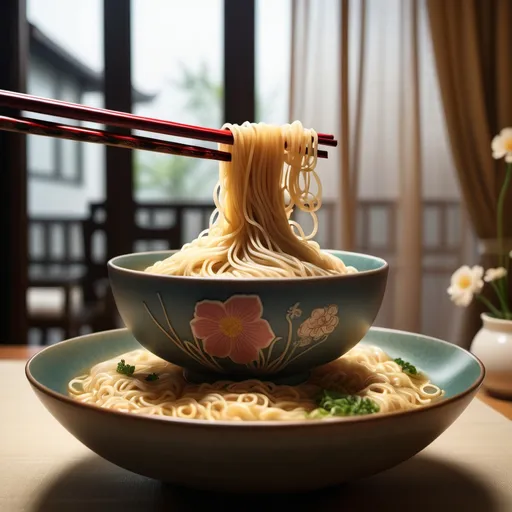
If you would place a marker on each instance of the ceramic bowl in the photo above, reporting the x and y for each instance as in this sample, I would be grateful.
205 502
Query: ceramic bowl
256 456
268 328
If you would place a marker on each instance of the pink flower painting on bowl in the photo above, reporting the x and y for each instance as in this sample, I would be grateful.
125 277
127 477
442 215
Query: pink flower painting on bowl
233 328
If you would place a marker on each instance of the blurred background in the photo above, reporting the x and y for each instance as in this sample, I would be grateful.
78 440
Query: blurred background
412 90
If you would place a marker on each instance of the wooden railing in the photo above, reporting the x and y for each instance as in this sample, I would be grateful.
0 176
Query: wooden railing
59 240
159 226
56 241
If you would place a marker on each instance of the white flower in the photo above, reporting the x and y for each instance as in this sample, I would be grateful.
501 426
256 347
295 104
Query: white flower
465 283
493 274
502 145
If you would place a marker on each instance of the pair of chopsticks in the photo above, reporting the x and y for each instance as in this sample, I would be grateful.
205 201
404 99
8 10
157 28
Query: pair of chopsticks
25 102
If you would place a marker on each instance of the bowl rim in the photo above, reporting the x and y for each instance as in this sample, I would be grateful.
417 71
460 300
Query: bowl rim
256 425
112 264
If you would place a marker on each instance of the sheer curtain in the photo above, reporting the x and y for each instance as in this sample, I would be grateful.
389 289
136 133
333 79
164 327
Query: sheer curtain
364 70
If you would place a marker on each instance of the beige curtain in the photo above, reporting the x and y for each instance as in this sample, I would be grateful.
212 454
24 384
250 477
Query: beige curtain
347 220
409 240
472 42
363 70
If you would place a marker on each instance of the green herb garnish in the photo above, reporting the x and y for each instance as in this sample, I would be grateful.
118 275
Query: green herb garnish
406 367
124 368
332 403
151 377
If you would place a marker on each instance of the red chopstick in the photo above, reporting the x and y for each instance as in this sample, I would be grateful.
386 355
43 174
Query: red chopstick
80 134
79 112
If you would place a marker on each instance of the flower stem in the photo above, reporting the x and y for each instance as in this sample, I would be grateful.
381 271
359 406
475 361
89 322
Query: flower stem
504 261
502 295
276 363
269 353
501 202
308 349
492 308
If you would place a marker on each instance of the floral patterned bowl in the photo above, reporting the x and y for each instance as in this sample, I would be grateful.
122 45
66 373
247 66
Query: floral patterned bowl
277 329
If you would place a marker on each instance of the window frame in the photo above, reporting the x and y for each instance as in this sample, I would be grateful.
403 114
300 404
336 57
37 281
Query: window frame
13 180
239 99
55 174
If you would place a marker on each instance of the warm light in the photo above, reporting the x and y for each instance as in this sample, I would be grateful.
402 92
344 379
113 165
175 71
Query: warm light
502 339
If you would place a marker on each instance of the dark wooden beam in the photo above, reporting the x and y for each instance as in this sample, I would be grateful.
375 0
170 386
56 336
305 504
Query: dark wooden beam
239 61
13 179
118 96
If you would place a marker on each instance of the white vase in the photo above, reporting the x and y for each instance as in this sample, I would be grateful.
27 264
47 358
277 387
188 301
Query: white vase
493 346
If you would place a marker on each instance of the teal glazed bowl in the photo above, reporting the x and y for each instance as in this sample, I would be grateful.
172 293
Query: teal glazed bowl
276 329
264 456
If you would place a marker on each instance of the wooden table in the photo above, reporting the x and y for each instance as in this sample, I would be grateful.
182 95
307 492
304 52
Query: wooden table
16 352
43 468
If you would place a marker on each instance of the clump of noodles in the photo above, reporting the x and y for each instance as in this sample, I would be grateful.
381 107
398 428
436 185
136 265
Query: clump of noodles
251 233
365 371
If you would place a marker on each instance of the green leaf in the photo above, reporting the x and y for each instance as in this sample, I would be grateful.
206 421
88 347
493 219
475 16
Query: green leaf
333 403
124 368
406 367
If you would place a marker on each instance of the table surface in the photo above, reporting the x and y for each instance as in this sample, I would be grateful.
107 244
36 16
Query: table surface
44 468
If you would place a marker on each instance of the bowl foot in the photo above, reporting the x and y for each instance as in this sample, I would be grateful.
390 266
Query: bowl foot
205 377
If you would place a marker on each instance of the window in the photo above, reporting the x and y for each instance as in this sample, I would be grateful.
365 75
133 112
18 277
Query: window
41 151
177 57
48 158
273 53
65 41
66 63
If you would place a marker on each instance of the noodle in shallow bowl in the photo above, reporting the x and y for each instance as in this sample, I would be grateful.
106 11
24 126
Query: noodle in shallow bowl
364 381
253 295
271 453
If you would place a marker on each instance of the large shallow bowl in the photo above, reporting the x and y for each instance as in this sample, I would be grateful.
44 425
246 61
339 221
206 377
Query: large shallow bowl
272 328
255 456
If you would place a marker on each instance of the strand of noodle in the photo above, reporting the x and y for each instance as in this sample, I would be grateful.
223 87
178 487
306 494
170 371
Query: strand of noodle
365 371
250 234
